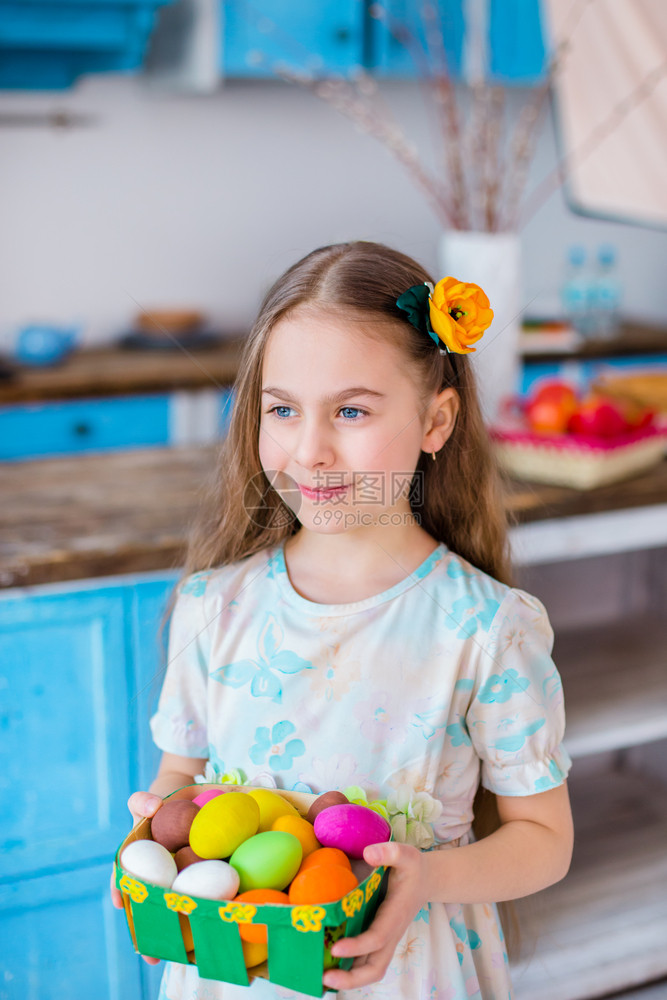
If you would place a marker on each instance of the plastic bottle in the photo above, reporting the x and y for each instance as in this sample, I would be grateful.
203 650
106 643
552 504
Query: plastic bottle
606 295
575 291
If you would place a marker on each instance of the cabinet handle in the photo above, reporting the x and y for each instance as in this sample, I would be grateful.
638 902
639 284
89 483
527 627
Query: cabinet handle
342 35
82 429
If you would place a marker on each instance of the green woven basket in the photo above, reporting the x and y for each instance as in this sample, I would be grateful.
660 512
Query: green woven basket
161 922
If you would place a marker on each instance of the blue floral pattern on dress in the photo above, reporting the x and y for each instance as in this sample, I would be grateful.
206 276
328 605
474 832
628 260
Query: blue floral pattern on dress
258 673
272 744
467 619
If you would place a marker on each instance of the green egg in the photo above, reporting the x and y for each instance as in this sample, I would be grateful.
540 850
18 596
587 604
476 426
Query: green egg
268 860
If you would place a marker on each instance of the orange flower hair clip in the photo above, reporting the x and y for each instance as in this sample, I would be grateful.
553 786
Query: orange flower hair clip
454 313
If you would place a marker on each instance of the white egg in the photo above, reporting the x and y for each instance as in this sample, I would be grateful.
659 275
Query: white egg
150 862
208 880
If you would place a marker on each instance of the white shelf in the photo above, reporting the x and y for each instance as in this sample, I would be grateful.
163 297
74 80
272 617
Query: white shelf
615 684
604 927
589 535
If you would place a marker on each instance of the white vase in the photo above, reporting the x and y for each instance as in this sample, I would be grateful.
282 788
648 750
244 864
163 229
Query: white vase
492 261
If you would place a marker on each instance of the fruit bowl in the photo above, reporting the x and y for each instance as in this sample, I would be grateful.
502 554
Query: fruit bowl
204 932
580 461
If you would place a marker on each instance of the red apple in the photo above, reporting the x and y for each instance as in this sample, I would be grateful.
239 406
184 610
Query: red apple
550 408
598 417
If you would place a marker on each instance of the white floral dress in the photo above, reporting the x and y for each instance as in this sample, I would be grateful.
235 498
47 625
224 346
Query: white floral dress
443 678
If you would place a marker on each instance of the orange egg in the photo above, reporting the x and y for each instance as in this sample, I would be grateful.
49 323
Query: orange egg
254 953
301 829
323 884
257 933
326 856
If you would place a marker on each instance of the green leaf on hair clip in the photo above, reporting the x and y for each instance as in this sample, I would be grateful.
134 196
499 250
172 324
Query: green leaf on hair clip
415 304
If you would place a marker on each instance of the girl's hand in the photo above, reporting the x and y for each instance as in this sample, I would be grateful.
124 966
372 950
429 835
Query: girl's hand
141 805
374 949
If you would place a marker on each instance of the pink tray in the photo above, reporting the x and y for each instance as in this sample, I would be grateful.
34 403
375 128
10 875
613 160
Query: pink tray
581 461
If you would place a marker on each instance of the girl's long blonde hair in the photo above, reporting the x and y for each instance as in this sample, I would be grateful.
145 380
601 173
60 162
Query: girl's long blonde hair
462 502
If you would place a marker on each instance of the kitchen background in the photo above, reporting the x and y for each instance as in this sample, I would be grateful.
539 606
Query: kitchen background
191 182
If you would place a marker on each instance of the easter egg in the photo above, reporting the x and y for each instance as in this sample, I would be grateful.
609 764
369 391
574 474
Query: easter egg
204 797
184 857
271 806
222 824
269 860
254 953
170 826
323 802
322 884
302 830
258 932
351 828
208 879
149 862
325 856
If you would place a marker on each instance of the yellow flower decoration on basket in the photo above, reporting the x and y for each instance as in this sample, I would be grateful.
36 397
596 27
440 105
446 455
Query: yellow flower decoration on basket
308 918
237 913
353 902
178 903
136 890
454 314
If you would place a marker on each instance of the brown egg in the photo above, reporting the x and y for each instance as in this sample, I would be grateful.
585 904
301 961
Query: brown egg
170 826
186 856
323 802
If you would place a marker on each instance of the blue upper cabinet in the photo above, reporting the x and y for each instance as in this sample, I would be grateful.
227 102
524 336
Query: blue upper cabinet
48 44
404 41
322 38
517 51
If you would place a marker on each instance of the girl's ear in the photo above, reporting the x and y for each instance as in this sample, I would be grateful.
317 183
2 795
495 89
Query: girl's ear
440 420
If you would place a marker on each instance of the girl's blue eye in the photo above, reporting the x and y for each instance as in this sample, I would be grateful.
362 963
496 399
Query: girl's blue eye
350 409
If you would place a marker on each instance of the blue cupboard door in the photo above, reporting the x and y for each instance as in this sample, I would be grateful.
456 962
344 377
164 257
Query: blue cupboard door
83 425
61 939
64 751
322 37
150 602
399 41
517 52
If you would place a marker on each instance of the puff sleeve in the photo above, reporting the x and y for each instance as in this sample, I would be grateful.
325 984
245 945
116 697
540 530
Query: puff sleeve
516 716
179 725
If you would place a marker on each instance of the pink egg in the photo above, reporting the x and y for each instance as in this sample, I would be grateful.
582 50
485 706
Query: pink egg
204 797
351 828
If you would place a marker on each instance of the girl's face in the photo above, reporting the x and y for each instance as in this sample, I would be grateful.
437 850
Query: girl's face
341 425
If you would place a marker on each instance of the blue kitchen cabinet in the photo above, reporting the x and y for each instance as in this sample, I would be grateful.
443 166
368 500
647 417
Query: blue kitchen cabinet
514 44
322 38
48 44
517 50
398 41
60 937
64 427
80 670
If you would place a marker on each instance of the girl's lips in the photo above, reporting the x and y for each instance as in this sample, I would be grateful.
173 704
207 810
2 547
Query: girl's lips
322 494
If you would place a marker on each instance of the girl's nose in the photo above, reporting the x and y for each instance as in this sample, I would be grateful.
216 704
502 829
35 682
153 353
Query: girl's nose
314 445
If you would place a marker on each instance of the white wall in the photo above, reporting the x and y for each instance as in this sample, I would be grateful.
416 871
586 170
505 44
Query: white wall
202 201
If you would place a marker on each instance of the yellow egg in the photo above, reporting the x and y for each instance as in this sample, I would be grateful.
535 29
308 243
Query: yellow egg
254 952
302 830
271 806
222 824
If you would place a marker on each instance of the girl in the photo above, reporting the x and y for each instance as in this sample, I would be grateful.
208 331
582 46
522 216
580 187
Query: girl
347 620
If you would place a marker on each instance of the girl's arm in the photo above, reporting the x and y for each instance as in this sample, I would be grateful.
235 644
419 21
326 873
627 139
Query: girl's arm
531 850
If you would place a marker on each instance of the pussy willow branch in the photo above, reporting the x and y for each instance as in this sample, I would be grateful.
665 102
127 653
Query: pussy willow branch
375 122
439 95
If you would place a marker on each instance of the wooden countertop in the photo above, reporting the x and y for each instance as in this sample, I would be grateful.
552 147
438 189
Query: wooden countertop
125 512
111 371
